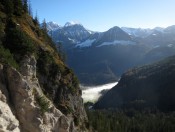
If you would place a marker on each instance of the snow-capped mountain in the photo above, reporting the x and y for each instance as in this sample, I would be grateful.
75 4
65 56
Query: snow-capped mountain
137 32
75 35
160 29
76 31
170 29
160 37
67 24
70 34
143 33
113 36
101 57
51 26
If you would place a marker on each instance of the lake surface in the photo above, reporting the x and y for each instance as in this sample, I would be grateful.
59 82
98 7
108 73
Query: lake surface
92 93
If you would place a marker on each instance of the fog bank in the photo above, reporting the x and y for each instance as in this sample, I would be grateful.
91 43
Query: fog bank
92 93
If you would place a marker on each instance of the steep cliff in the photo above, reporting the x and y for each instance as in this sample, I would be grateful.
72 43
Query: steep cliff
37 90
8 121
29 105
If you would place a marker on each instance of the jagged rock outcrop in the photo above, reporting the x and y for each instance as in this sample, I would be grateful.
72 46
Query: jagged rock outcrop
8 122
23 99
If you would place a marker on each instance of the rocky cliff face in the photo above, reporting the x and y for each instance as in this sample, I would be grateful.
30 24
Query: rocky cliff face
8 121
24 107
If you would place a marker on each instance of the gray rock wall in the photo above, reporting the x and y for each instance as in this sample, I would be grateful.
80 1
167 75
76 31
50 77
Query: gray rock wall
23 104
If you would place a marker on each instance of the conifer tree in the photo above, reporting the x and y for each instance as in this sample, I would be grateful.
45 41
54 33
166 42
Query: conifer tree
44 26
25 6
30 9
18 7
9 7
36 20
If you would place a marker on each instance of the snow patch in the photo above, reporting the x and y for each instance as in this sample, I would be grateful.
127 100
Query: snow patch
52 26
138 32
91 32
121 42
71 23
86 43
170 45
156 46
72 40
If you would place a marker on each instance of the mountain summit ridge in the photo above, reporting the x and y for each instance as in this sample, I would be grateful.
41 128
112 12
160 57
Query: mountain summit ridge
104 56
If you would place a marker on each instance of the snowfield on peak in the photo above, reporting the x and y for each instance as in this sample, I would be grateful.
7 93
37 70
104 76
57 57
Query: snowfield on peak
121 42
71 23
52 26
86 43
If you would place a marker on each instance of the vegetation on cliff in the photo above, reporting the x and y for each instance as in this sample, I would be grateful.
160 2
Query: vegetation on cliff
21 35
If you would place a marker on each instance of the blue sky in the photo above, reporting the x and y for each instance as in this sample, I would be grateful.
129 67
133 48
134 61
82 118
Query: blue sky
100 15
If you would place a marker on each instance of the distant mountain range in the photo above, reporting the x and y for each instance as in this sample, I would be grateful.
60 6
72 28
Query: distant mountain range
101 57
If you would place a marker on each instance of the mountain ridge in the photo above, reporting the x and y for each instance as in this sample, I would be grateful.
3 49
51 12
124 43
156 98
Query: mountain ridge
148 86
106 55
146 31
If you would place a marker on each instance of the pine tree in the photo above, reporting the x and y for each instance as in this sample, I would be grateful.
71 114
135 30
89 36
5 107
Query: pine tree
36 20
30 9
9 7
51 34
44 26
2 2
18 7
25 6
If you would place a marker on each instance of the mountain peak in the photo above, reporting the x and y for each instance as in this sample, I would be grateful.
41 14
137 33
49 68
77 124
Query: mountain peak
52 25
67 24
115 29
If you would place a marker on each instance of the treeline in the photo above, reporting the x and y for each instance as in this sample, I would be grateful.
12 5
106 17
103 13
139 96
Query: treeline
22 9
15 42
130 121
16 7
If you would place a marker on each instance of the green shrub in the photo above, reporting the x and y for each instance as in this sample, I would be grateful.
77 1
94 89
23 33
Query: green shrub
44 62
7 58
43 104
1 29
75 84
76 120
18 42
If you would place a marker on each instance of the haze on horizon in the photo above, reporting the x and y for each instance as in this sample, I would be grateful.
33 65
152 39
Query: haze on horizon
100 15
